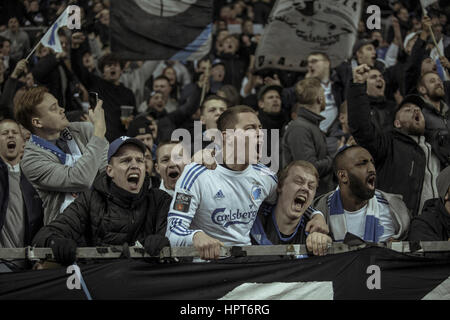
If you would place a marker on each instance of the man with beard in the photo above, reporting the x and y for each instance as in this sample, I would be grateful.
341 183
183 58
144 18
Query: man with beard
288 222
405 162
358 208
119 209
435 111
21 212
303 139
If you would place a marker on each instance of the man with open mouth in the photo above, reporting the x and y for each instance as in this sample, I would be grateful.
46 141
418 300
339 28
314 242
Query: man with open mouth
213 208
406 163
119 209
170 167
21 212
289 220
356 206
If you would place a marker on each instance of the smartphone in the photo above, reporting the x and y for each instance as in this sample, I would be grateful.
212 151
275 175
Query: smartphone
93 99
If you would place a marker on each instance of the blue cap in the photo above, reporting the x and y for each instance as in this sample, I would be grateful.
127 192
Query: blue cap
119 142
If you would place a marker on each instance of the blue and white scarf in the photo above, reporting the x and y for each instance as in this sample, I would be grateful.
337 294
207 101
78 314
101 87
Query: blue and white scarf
66 159
373 230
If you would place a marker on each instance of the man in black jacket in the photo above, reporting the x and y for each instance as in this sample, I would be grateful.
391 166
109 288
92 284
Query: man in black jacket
120 209
404 161
110 90
434 222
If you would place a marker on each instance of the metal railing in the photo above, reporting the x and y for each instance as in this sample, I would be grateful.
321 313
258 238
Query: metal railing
115 252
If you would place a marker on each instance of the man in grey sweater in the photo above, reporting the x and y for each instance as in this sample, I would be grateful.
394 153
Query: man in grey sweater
61 159
303 139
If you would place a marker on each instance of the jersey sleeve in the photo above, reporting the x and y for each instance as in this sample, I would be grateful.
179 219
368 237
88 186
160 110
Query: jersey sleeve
183 207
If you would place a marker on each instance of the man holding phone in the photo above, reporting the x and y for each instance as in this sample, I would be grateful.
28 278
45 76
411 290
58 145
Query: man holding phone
61 159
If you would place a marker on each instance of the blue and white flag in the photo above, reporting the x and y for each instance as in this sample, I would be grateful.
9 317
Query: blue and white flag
51 38
161 30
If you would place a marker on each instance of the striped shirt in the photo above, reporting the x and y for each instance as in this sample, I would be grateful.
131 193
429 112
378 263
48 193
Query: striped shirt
222 203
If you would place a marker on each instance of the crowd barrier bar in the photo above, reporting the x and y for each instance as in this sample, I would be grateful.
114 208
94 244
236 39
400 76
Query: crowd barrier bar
114 252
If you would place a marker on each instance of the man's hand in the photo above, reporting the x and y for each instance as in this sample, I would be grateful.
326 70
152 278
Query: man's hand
97 117
64 250
318 243
426 27
445 63
205 157
20 68
361 73
208 248
275 81
154 244
77 39
317 224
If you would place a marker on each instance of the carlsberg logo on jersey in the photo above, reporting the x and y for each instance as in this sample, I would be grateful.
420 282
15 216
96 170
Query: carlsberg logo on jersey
225 218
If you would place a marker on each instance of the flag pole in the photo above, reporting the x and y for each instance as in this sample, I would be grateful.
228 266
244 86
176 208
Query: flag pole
205 79
425 13
32 51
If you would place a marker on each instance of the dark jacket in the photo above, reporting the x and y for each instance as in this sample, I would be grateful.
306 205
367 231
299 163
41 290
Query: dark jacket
272 122
399 160
433 224
382 113
414 64
34 213
109 215
49 71
265 230
303 140
113 96
344 75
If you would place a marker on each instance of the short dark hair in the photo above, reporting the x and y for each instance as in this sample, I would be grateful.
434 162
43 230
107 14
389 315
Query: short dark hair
212 97
109 59
164 143
319 53
162 77
228 118
337 161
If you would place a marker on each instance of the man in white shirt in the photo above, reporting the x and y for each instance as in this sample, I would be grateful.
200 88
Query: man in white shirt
358 208
319 66
213 208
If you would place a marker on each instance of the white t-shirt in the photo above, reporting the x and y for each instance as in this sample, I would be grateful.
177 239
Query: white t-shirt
222 203
331 111
356 222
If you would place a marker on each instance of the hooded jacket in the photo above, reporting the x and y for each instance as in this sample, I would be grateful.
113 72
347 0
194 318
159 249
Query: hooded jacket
109 215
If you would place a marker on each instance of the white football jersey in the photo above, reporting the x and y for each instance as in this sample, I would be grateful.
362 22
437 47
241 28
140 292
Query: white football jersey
222 203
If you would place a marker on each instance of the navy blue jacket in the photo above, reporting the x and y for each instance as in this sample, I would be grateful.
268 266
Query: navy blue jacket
33 205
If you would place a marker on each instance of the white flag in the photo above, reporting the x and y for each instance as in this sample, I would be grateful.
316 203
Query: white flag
51 38
426 3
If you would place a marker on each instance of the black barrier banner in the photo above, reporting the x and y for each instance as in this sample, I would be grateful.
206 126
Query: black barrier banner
371 273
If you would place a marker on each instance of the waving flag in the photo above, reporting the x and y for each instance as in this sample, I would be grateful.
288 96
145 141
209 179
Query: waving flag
51 38
161 30
297 28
